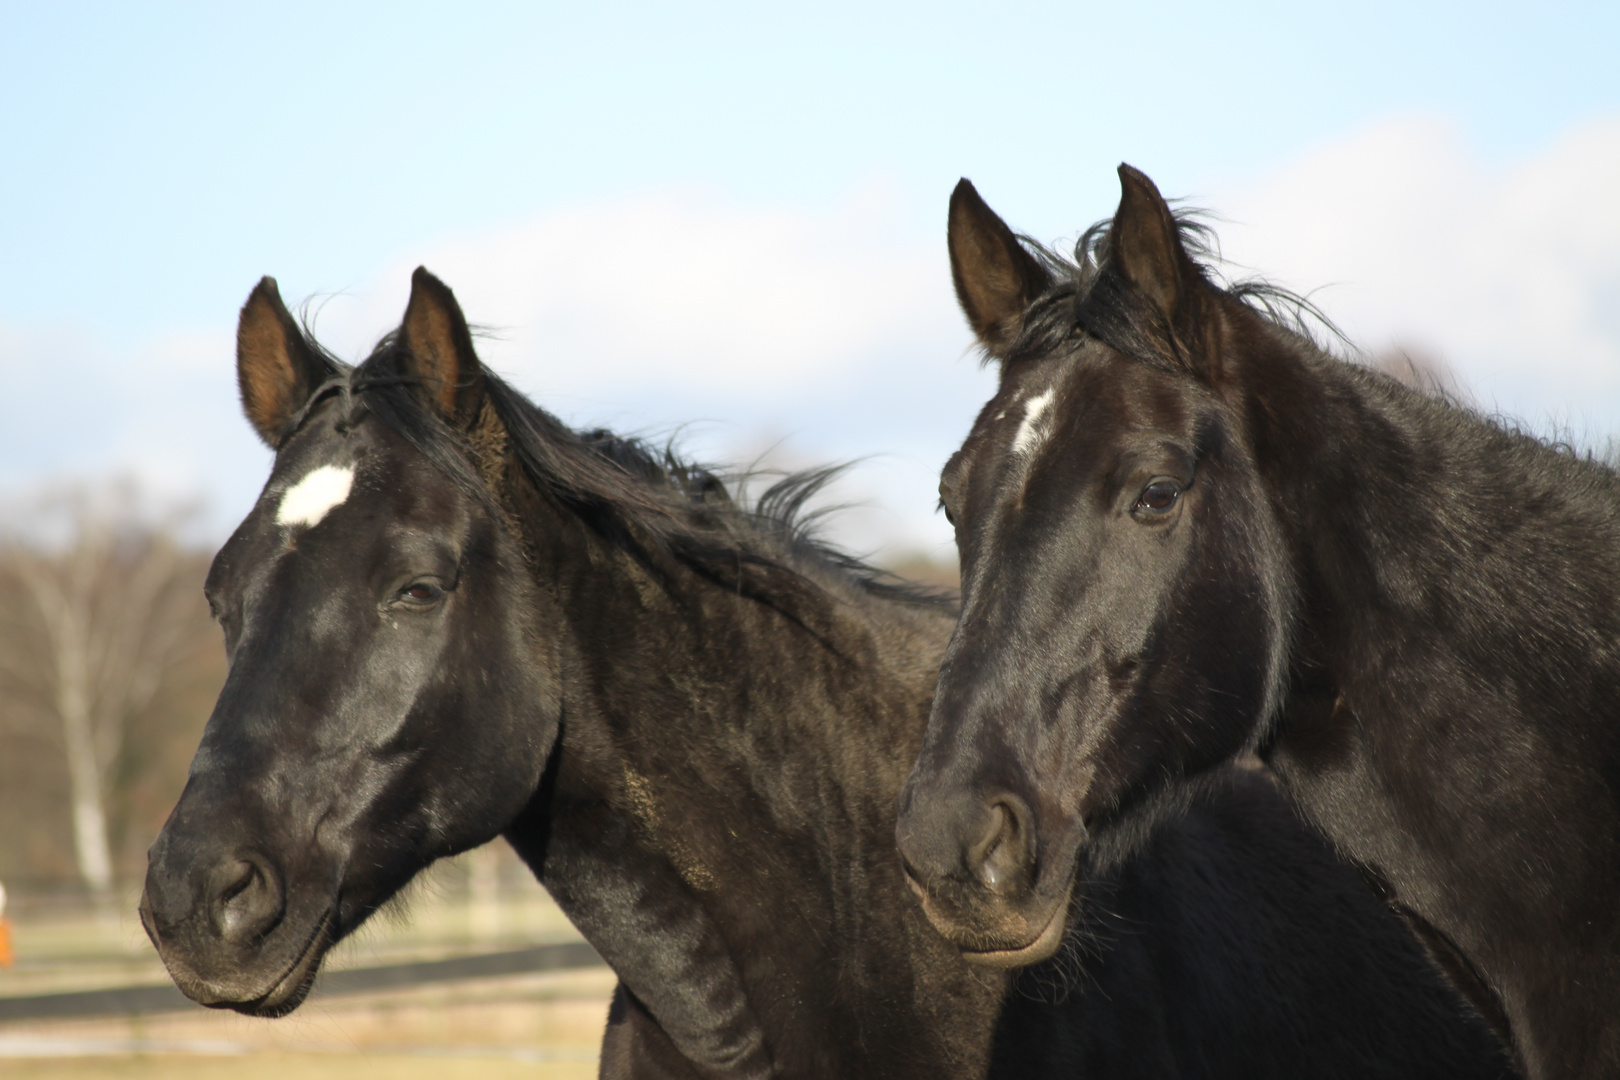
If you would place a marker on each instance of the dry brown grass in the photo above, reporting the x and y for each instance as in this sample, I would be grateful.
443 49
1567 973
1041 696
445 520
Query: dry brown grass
278 1066
547 1025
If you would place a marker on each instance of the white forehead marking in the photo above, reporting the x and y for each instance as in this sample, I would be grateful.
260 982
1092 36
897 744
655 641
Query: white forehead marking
313 497
1029 431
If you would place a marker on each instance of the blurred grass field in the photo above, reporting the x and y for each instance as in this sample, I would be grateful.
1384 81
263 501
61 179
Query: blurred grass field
302 1066
546 1025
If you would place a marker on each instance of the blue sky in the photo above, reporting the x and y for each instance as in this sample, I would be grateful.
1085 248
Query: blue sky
160 157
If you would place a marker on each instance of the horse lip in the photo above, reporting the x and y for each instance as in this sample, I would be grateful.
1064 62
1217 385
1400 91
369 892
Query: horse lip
1044 944
289 990
1038 948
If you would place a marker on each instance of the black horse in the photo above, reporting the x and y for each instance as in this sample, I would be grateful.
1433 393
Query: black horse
1188 532
449 617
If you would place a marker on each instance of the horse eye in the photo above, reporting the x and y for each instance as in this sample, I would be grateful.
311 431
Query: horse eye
423 592
1159 497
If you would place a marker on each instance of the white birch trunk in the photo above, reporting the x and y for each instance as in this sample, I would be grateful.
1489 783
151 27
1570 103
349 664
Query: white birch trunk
114 624
66 622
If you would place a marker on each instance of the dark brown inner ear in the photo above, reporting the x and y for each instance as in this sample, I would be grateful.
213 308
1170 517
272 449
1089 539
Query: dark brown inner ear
439 351
276 370
1144 248
996 278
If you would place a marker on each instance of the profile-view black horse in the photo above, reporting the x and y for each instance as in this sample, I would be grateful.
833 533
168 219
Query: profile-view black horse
450 617
1186 531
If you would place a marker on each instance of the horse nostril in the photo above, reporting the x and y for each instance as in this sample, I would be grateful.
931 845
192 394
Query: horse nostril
915 880
1003 857
247 900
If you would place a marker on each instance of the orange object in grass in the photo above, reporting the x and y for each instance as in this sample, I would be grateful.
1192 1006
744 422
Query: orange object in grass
7 957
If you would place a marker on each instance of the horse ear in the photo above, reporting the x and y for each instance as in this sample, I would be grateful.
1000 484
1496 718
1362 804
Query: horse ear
996 279
439 351
1144 248
276 370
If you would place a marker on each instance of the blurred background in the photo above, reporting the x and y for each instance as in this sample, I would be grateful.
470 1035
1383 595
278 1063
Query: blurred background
719 222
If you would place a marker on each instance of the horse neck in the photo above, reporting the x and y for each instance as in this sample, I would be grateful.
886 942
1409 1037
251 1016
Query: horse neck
732 764
781 689
1409 515
756 735
1451 719
1329 452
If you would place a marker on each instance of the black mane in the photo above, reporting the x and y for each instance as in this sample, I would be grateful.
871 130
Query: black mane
647 499
1087 294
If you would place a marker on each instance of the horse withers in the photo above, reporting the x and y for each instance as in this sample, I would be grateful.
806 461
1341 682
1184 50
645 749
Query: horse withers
450 617
1187 532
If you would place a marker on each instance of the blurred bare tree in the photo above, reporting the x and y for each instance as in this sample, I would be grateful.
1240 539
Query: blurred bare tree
110 612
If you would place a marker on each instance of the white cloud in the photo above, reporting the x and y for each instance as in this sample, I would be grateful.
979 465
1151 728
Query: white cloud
1510 272
679 287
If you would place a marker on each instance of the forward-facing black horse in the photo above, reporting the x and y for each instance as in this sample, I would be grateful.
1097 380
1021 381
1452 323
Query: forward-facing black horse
1186 531
449 617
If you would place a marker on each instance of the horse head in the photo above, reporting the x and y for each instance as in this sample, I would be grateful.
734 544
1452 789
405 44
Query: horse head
390 699
1124 591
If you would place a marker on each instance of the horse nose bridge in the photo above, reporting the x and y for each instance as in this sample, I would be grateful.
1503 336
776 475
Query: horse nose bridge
258 751
268 680
980 732
989 671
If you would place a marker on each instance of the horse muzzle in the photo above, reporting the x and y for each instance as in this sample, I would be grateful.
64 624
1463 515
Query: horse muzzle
974 864
227 929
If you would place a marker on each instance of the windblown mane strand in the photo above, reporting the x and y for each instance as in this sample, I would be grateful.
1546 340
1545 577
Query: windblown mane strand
761 529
